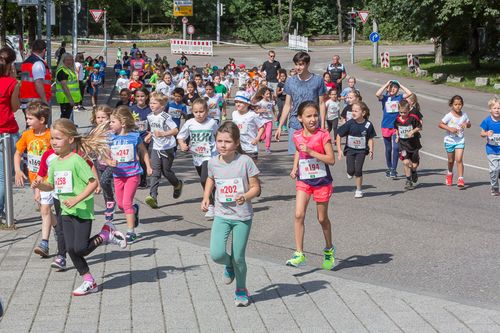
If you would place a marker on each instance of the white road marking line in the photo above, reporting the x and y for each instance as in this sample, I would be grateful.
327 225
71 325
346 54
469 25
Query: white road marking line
446 159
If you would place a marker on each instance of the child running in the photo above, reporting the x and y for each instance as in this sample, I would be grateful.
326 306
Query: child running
408 128
352 97
250 125
454 123
176 108
35 141
74 183
162 132
265 110
332 106
215 102
100 117
235 179
126 145
314 152
490 129
200 131
360 133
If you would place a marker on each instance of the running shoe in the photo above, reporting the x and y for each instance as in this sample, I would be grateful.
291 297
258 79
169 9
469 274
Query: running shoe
449 179
86 288
228 275
358 194
409 185
178 190
109 212
151 202
241 297
136 215
210 213
298 259
495 192
328 258
42 250
59 263
349 176
460 182
118 238
393 174
1 309
388 173
130 237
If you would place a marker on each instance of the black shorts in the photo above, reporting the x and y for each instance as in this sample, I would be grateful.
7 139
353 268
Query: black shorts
413 156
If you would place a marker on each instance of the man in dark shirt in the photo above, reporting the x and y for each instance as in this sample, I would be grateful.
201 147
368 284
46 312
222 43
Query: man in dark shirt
271 67
337 72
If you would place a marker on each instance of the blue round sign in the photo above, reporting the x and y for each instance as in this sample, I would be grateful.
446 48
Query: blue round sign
374 37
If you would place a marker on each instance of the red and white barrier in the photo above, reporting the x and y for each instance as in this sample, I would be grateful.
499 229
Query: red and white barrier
195 47
385 59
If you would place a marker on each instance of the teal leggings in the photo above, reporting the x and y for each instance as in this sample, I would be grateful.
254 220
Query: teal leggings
221 228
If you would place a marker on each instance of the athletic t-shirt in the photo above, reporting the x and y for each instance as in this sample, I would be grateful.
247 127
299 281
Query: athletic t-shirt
221 89
162 122
214 105
450 120
347 112
414 110
282 95
70 176
141 116
493 142
231 180
124 151
8 122
165 89
301 91
176 111
271 69
390 109
268 114
34 145
122 83
404 127
201 139
332 109
188 101
311 170
249 124
357 135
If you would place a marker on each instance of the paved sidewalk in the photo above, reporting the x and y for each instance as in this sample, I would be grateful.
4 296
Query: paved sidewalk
164 283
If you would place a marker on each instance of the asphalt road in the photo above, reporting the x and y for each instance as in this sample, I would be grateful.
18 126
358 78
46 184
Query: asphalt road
433 240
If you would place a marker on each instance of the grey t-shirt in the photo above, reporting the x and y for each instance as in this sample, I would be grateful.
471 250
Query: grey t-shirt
232 180
301 91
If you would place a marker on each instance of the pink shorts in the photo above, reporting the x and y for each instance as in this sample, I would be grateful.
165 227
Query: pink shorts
319 193
388 132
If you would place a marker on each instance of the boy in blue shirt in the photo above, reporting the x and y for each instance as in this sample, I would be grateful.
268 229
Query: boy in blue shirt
102 70
118 67
490 129
176 108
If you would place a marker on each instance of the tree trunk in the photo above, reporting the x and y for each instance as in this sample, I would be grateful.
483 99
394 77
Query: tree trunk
290 15
3 16
474 48
31 24
131 17
438 50
339 23
282 28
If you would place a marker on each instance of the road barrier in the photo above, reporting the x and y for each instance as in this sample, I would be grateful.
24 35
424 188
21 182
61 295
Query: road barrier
385 60
195 47
297 42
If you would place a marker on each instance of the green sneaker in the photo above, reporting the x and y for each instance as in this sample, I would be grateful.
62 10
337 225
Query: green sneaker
328 258
298 259
151 202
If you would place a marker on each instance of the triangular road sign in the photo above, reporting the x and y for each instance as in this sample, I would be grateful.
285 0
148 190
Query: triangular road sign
363 15
96 14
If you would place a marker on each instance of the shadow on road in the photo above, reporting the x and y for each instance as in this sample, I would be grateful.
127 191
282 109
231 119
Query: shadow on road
149 235
280 290
360 261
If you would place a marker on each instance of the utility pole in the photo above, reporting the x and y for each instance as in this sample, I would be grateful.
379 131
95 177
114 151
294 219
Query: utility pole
375 45
353 32
39 20
218 22
48 27
105 37
76 9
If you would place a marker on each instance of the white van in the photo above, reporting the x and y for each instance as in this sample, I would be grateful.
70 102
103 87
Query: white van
15 43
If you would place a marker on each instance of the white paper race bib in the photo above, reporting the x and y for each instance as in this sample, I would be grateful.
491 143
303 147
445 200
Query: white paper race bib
356 142
201 149
311 168
229 189
34 162
123 153
494 140
63 182
404 131
142 125
175 113
391 106
348 115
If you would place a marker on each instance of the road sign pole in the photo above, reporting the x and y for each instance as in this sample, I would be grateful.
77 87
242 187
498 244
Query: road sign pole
218 22
39 21
353 31
183 30
105 38
48 27
375 46
75 27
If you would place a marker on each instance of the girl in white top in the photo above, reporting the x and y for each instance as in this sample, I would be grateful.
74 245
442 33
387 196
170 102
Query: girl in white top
251 126
184 81
265 110
332 112
166 86
214 102
454 123
200 131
